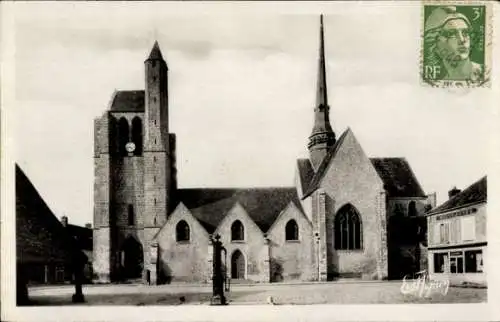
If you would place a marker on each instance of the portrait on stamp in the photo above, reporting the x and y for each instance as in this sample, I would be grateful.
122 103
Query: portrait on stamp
454 43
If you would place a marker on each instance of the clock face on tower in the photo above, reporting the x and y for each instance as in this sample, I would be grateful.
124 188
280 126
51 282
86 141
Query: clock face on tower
130 147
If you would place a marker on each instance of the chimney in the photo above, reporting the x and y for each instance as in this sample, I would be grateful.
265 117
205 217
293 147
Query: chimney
431 200
88 225
453 192
64 221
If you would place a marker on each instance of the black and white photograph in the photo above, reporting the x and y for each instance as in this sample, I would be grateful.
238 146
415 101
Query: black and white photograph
219 155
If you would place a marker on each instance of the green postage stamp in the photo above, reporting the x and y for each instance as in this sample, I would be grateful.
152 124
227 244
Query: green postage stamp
456 44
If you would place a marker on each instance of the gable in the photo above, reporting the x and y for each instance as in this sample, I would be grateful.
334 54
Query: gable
263 205
346 152
350 168
290 212
323 166
180 213
238 212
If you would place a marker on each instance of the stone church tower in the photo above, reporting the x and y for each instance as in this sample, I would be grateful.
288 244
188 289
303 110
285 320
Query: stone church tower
134 158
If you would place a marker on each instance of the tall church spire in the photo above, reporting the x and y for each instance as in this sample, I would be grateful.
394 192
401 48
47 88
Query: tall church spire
322 136
321 94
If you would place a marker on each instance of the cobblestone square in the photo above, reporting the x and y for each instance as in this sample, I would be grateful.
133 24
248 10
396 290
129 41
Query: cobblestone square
254 294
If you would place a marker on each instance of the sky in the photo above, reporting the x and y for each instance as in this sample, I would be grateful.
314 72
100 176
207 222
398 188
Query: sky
242 90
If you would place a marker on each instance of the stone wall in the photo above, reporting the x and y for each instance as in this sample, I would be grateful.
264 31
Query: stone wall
291 259
351 179
254 246
183 260
102 179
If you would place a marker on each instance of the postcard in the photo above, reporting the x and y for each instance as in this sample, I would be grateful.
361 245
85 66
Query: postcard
249 161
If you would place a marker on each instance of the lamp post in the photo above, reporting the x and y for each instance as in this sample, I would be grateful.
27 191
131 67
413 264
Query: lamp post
318 254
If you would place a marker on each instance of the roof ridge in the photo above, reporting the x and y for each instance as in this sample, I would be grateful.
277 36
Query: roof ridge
444 205
469 187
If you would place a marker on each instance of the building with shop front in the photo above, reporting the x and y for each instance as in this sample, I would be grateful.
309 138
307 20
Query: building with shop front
457 236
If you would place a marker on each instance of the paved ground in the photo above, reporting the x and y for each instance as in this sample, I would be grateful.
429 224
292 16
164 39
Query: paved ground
314 293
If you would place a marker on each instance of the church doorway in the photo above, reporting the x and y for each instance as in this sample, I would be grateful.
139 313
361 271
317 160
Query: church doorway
237 265
132 259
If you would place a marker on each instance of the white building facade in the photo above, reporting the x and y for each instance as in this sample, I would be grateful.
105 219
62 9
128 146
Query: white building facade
457 238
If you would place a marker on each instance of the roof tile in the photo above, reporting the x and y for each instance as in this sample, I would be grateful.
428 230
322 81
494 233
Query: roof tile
128 101
40 236
475 193
263 205
398 177
306 173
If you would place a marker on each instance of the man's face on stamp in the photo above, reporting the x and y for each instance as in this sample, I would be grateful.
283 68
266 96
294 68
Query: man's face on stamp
453 44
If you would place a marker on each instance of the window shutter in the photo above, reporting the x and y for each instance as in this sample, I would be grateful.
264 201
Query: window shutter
455 231
437 228
468 228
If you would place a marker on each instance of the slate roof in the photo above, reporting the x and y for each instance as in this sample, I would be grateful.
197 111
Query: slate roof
155 53
263 205
396 173
128 101
398 178
40 236
306 173
475 193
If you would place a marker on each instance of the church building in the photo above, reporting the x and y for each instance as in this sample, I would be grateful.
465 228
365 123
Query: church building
333 223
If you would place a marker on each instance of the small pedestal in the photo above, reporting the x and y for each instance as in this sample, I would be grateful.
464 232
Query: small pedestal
218 300
78 296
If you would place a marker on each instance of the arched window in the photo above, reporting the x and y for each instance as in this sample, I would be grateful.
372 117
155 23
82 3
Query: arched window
348 231
131 216
291 230
412 209
182 231
113 135
123 135
237 231
137 135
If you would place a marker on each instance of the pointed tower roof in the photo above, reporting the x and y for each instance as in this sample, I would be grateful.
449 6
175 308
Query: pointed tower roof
321 94
322 137
322 125
155 52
